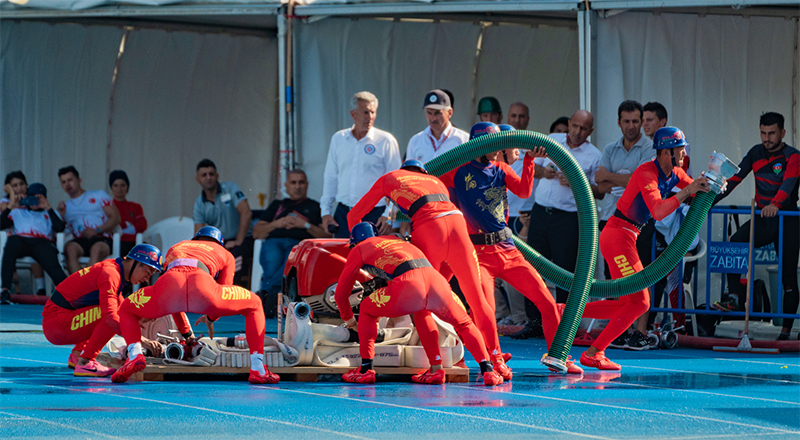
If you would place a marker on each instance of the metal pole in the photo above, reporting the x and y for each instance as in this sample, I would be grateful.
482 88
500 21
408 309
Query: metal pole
749 267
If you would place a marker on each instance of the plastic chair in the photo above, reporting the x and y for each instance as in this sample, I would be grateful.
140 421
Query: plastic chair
63 237
257 271
169 231
25 263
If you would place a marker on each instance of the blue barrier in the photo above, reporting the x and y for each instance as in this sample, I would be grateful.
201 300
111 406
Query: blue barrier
763 255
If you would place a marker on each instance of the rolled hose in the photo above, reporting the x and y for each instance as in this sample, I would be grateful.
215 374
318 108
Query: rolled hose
581 285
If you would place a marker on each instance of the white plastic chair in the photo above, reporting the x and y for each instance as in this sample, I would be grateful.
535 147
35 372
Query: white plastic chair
63 237
169 231
24 263
257 272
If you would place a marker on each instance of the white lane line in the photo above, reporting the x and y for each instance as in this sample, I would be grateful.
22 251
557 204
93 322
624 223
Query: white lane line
61 425
729 360
436 411
652 411
31 360
710 436
734 376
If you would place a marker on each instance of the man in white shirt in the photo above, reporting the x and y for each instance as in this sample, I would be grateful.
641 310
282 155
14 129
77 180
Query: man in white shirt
91 217
357 157
554 219
440 136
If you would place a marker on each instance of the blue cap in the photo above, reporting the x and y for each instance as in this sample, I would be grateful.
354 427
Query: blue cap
414 163
210 231
505 127
36 188
361 232
669 137
147 254
482 128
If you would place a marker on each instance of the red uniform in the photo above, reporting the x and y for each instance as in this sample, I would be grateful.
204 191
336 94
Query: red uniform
420 291
198 279
83 310
643 197
440 232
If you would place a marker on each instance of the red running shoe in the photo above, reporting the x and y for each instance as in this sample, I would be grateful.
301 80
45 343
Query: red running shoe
353 376
571 367
460 364
437 378
93 369
502 369
132 366
599 361
72 361
506 357
257 378
491 378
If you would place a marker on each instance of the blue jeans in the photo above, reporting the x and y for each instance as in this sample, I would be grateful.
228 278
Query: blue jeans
274 253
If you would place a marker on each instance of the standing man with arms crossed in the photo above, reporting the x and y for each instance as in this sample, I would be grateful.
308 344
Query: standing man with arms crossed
647 194
776 167
357 157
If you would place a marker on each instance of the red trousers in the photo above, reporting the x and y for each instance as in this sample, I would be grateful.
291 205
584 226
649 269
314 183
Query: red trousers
189 289
83 327
418 292
510 266
447 246
618 245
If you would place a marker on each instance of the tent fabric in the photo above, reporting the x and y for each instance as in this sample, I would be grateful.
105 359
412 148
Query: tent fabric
715 75
179 97
400 61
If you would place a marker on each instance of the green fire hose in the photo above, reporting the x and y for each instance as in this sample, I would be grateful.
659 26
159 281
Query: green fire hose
581 285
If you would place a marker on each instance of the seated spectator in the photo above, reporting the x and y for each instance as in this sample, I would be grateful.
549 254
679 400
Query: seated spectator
131 215
17 184
224 206
33 224
284 224
91 217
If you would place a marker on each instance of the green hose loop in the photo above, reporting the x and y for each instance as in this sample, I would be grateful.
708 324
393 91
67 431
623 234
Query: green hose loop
579 283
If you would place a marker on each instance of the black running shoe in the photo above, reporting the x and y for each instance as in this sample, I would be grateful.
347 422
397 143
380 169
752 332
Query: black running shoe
620 341
728 305
782 337
637 341
533 329
5 297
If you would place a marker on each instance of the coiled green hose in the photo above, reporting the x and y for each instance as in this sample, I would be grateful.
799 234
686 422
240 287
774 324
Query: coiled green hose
581 285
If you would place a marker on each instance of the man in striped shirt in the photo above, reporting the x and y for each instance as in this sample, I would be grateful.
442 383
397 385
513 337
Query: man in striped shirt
776 167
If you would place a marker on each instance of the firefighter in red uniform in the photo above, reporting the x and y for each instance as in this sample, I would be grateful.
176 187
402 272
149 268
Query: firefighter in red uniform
482 187
439 231
198 279
83 307
647 194
413 287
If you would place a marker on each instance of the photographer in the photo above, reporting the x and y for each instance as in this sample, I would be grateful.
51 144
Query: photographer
34 223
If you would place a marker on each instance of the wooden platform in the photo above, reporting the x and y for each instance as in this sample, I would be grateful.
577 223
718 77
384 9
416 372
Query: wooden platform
157 371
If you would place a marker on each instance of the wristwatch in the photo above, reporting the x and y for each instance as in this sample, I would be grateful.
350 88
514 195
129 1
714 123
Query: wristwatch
307 225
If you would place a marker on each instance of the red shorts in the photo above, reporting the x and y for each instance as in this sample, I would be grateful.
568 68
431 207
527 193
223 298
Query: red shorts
84 327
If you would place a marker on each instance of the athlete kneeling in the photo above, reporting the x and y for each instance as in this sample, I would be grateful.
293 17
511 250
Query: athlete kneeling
414 287
198 279
83 308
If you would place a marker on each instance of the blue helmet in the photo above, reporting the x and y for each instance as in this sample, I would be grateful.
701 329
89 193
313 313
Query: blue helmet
147 254
505 127
361 232
669 137
482 128
414 163
210 231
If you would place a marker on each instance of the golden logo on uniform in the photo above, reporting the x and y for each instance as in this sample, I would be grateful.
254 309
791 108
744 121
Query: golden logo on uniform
139 299
496 206
379 297
651 186
471 183
458 300
234 293
85 318
84 271
393 253
623 265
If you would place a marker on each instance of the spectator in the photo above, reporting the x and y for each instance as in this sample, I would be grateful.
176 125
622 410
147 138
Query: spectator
489 110
17 184
620 159
284 224
776 167
560 125
132 219
655 117
91 217
555 213
357 157
440 136
519 116
224 206
34 223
